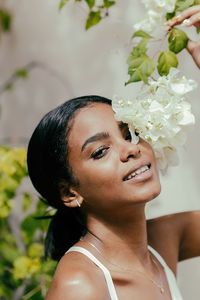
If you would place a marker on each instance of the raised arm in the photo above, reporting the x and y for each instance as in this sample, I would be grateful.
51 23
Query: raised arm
176 237
190 238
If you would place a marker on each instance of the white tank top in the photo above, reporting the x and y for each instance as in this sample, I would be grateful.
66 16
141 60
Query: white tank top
175 293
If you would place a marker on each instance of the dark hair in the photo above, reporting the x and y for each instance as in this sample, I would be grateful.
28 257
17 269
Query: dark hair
49 169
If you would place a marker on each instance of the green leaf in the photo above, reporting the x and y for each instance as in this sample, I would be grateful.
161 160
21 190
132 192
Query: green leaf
143 34
9 253
198 30
170 15
49 266
63 3
29 227
22 73
31 224
5 291
183 4
141 49
138 51
94 17
5 20
90 3
196 2
108 3
177 40
140 68
166 60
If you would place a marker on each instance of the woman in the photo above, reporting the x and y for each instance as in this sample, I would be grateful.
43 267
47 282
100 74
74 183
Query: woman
83 162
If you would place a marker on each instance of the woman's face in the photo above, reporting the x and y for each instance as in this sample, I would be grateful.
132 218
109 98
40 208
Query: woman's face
112 172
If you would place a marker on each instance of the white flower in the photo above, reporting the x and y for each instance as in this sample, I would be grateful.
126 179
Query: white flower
161 115
155 16
149 22
99 3
166 5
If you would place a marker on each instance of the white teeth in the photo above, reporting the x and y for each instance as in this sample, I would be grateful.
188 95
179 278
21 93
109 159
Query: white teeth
139 171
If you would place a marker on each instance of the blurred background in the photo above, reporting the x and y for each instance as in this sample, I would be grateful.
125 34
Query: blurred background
47 57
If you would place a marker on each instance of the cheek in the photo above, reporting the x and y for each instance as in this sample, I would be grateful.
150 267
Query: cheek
148 151
98 174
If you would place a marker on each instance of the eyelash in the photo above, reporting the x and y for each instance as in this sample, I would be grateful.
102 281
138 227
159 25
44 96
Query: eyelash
99 153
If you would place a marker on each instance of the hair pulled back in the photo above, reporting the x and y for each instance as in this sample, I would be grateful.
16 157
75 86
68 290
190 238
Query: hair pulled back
49 168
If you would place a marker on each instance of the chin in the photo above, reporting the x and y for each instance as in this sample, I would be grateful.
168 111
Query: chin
150 193
155 192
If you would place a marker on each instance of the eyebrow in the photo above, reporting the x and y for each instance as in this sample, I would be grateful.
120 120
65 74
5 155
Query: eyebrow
97 137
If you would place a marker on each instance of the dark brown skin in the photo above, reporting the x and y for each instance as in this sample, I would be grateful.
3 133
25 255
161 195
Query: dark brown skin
116 221
192 14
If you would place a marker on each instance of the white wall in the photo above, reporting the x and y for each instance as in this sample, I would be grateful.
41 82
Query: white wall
91 62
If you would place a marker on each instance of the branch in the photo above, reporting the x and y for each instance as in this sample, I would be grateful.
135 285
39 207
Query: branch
29 67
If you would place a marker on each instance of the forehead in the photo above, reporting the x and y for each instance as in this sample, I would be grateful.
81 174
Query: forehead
90 120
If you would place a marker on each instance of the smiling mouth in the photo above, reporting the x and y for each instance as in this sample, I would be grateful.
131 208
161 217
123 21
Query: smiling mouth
139 171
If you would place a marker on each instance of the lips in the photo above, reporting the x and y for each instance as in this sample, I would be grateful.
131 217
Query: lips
138 169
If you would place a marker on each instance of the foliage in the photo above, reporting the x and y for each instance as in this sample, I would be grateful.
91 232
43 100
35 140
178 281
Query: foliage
12 170
26 267
140 65
24 271
22 263
97 10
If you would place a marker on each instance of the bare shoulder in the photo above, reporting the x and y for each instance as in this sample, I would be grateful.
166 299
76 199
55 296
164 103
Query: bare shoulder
77 278
170 236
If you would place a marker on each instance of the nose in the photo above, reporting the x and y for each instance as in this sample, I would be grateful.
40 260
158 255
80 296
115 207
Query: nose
129 150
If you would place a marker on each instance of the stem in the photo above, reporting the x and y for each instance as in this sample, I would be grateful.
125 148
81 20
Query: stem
18 293
32 292
161 45
29 67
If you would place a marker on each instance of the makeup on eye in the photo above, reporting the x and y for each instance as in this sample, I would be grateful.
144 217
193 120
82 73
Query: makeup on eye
100 152
103 137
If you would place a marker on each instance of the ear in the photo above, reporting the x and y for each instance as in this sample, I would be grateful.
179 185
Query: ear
72 198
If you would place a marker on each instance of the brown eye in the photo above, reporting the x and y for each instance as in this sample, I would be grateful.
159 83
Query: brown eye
99 152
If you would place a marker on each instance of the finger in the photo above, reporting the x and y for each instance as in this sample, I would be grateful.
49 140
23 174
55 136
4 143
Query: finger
184 15
193 20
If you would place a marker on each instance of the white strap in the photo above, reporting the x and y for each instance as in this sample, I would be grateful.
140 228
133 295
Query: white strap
111 288
174 290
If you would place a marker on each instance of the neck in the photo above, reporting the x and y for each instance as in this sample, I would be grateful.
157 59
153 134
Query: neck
119 239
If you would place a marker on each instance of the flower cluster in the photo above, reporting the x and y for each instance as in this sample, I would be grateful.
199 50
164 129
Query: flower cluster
160 114
156 13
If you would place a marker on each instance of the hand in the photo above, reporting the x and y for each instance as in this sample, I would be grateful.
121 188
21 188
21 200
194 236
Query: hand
189 17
